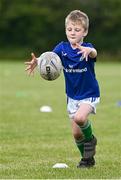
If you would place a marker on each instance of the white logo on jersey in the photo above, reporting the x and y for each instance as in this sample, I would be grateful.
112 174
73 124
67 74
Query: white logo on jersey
75 70
64 54
70 66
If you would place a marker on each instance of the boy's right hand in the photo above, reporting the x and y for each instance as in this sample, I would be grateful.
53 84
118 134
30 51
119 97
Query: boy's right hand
31 65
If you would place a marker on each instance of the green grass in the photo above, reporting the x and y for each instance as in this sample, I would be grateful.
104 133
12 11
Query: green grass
31 142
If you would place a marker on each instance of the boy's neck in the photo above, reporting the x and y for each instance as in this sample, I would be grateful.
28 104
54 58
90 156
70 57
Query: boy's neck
74 46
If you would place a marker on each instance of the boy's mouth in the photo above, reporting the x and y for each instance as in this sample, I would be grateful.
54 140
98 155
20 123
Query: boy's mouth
72 37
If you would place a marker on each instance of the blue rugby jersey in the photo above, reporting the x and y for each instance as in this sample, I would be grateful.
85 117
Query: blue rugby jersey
80 80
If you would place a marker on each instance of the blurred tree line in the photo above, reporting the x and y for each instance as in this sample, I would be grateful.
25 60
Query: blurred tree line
38 25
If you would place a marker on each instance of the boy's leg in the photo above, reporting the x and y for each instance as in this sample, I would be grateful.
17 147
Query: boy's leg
78 137
81 144
80 119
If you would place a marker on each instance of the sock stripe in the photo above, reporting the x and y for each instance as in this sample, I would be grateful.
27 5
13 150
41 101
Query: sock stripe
86 125
87 130
80 142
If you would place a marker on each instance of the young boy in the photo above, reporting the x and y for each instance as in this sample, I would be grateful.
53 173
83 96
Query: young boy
78 59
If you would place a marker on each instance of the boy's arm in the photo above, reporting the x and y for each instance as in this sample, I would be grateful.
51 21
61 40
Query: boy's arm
31 65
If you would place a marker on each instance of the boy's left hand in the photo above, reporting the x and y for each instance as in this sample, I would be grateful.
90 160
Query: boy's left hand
84 50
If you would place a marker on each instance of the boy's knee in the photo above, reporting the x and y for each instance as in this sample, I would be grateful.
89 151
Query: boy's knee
77 135
80 119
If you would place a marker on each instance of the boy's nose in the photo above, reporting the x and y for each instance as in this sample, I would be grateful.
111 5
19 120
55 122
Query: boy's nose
73 32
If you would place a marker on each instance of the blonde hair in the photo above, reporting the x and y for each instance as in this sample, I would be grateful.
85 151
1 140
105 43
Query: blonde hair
78 16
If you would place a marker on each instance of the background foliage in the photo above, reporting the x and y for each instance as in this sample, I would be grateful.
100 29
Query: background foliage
38 25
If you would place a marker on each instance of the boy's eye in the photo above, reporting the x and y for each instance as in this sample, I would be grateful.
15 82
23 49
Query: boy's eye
69 29
77 30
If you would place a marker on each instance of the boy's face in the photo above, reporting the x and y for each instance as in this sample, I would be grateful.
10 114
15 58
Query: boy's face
75 32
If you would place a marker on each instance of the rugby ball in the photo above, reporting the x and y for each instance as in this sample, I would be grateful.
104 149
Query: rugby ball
50 66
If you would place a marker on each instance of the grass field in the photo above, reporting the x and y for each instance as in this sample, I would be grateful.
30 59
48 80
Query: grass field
31 142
